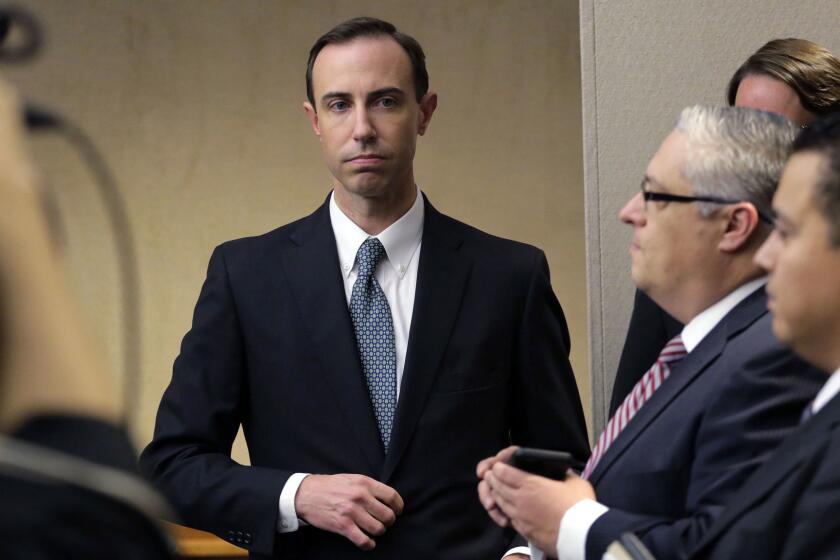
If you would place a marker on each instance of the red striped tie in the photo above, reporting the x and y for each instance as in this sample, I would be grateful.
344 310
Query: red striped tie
673 352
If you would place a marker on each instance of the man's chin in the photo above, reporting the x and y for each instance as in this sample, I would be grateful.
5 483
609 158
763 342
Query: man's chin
364 187
781 330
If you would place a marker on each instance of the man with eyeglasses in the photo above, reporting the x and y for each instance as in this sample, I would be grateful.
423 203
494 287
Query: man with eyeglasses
721 395
792 77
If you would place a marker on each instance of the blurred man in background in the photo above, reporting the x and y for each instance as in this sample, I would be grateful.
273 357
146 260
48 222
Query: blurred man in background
67 472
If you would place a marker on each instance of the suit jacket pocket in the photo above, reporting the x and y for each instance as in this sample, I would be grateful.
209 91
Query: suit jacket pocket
463 382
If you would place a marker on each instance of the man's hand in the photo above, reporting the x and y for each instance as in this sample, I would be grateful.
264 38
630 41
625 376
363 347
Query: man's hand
485 496
535 505
352 505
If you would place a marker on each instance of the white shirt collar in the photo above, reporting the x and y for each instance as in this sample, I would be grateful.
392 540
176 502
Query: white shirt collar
400 240
702 324
828 392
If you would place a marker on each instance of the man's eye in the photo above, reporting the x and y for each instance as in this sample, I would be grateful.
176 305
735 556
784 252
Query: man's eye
387 102
339 106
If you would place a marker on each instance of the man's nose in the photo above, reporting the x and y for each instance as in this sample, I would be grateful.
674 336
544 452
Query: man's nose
363 129
765 257
633 212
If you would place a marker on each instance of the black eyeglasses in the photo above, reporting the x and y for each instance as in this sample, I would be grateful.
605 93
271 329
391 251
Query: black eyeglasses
668 197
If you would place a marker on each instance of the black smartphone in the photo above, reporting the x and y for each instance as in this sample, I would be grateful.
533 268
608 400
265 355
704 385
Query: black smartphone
544 462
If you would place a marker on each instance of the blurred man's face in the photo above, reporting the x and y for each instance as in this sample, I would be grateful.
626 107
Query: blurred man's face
804 268
759 91
672 242
366 115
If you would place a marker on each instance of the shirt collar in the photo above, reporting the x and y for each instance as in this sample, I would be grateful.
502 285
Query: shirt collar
400 240
828 392
702 324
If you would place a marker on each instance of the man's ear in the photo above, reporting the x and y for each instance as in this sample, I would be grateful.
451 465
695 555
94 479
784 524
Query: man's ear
741 223
313 117
427 107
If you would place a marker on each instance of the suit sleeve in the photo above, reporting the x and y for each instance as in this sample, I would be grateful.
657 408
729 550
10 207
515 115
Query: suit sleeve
546 406
752 412
199 416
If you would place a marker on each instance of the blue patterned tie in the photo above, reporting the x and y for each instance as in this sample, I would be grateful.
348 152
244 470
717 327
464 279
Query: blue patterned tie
375 337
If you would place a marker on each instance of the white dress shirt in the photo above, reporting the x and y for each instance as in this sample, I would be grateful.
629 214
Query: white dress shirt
575 525
397 276
828 392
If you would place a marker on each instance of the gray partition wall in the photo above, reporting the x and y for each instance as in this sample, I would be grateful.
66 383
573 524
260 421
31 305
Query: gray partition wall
642 62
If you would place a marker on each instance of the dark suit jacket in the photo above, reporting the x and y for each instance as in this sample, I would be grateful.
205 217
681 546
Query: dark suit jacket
47 515
650 329
788 508
272 347
723 409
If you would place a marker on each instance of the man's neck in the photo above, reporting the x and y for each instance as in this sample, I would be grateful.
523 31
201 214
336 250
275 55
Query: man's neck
375 214
694 299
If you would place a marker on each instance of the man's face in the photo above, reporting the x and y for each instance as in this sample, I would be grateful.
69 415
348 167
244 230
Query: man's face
759 91
671 241
367 117
804 284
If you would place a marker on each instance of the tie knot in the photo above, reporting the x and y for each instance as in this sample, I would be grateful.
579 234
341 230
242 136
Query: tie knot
674 351
369 255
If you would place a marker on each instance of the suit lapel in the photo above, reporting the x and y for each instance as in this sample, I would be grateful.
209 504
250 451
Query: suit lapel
441 278
691 367
793 451
312 269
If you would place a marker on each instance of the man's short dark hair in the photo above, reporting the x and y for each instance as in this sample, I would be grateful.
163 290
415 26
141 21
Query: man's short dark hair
371 27
807 68
823 138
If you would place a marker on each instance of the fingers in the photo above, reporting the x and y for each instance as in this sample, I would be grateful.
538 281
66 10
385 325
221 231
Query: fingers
354 506
356 536
509 476
379 512
386 495
485 496
487 464
501 494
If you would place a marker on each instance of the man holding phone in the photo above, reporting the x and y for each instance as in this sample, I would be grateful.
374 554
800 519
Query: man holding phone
721 395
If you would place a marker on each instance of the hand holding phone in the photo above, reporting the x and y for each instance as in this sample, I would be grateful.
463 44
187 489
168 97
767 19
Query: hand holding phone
543 462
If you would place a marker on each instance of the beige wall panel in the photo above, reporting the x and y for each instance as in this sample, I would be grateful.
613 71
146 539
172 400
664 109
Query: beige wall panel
197 106
643 61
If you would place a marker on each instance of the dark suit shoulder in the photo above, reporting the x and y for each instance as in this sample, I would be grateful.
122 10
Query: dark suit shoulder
257 244
505 256
760 357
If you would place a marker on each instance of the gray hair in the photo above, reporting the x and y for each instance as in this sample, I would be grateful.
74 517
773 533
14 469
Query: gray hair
735 153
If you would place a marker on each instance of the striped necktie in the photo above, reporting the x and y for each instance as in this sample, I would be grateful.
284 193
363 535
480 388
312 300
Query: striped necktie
673 352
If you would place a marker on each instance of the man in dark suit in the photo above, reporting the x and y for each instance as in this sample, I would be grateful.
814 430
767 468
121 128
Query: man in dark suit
376 344
788 508
721 395
791 77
